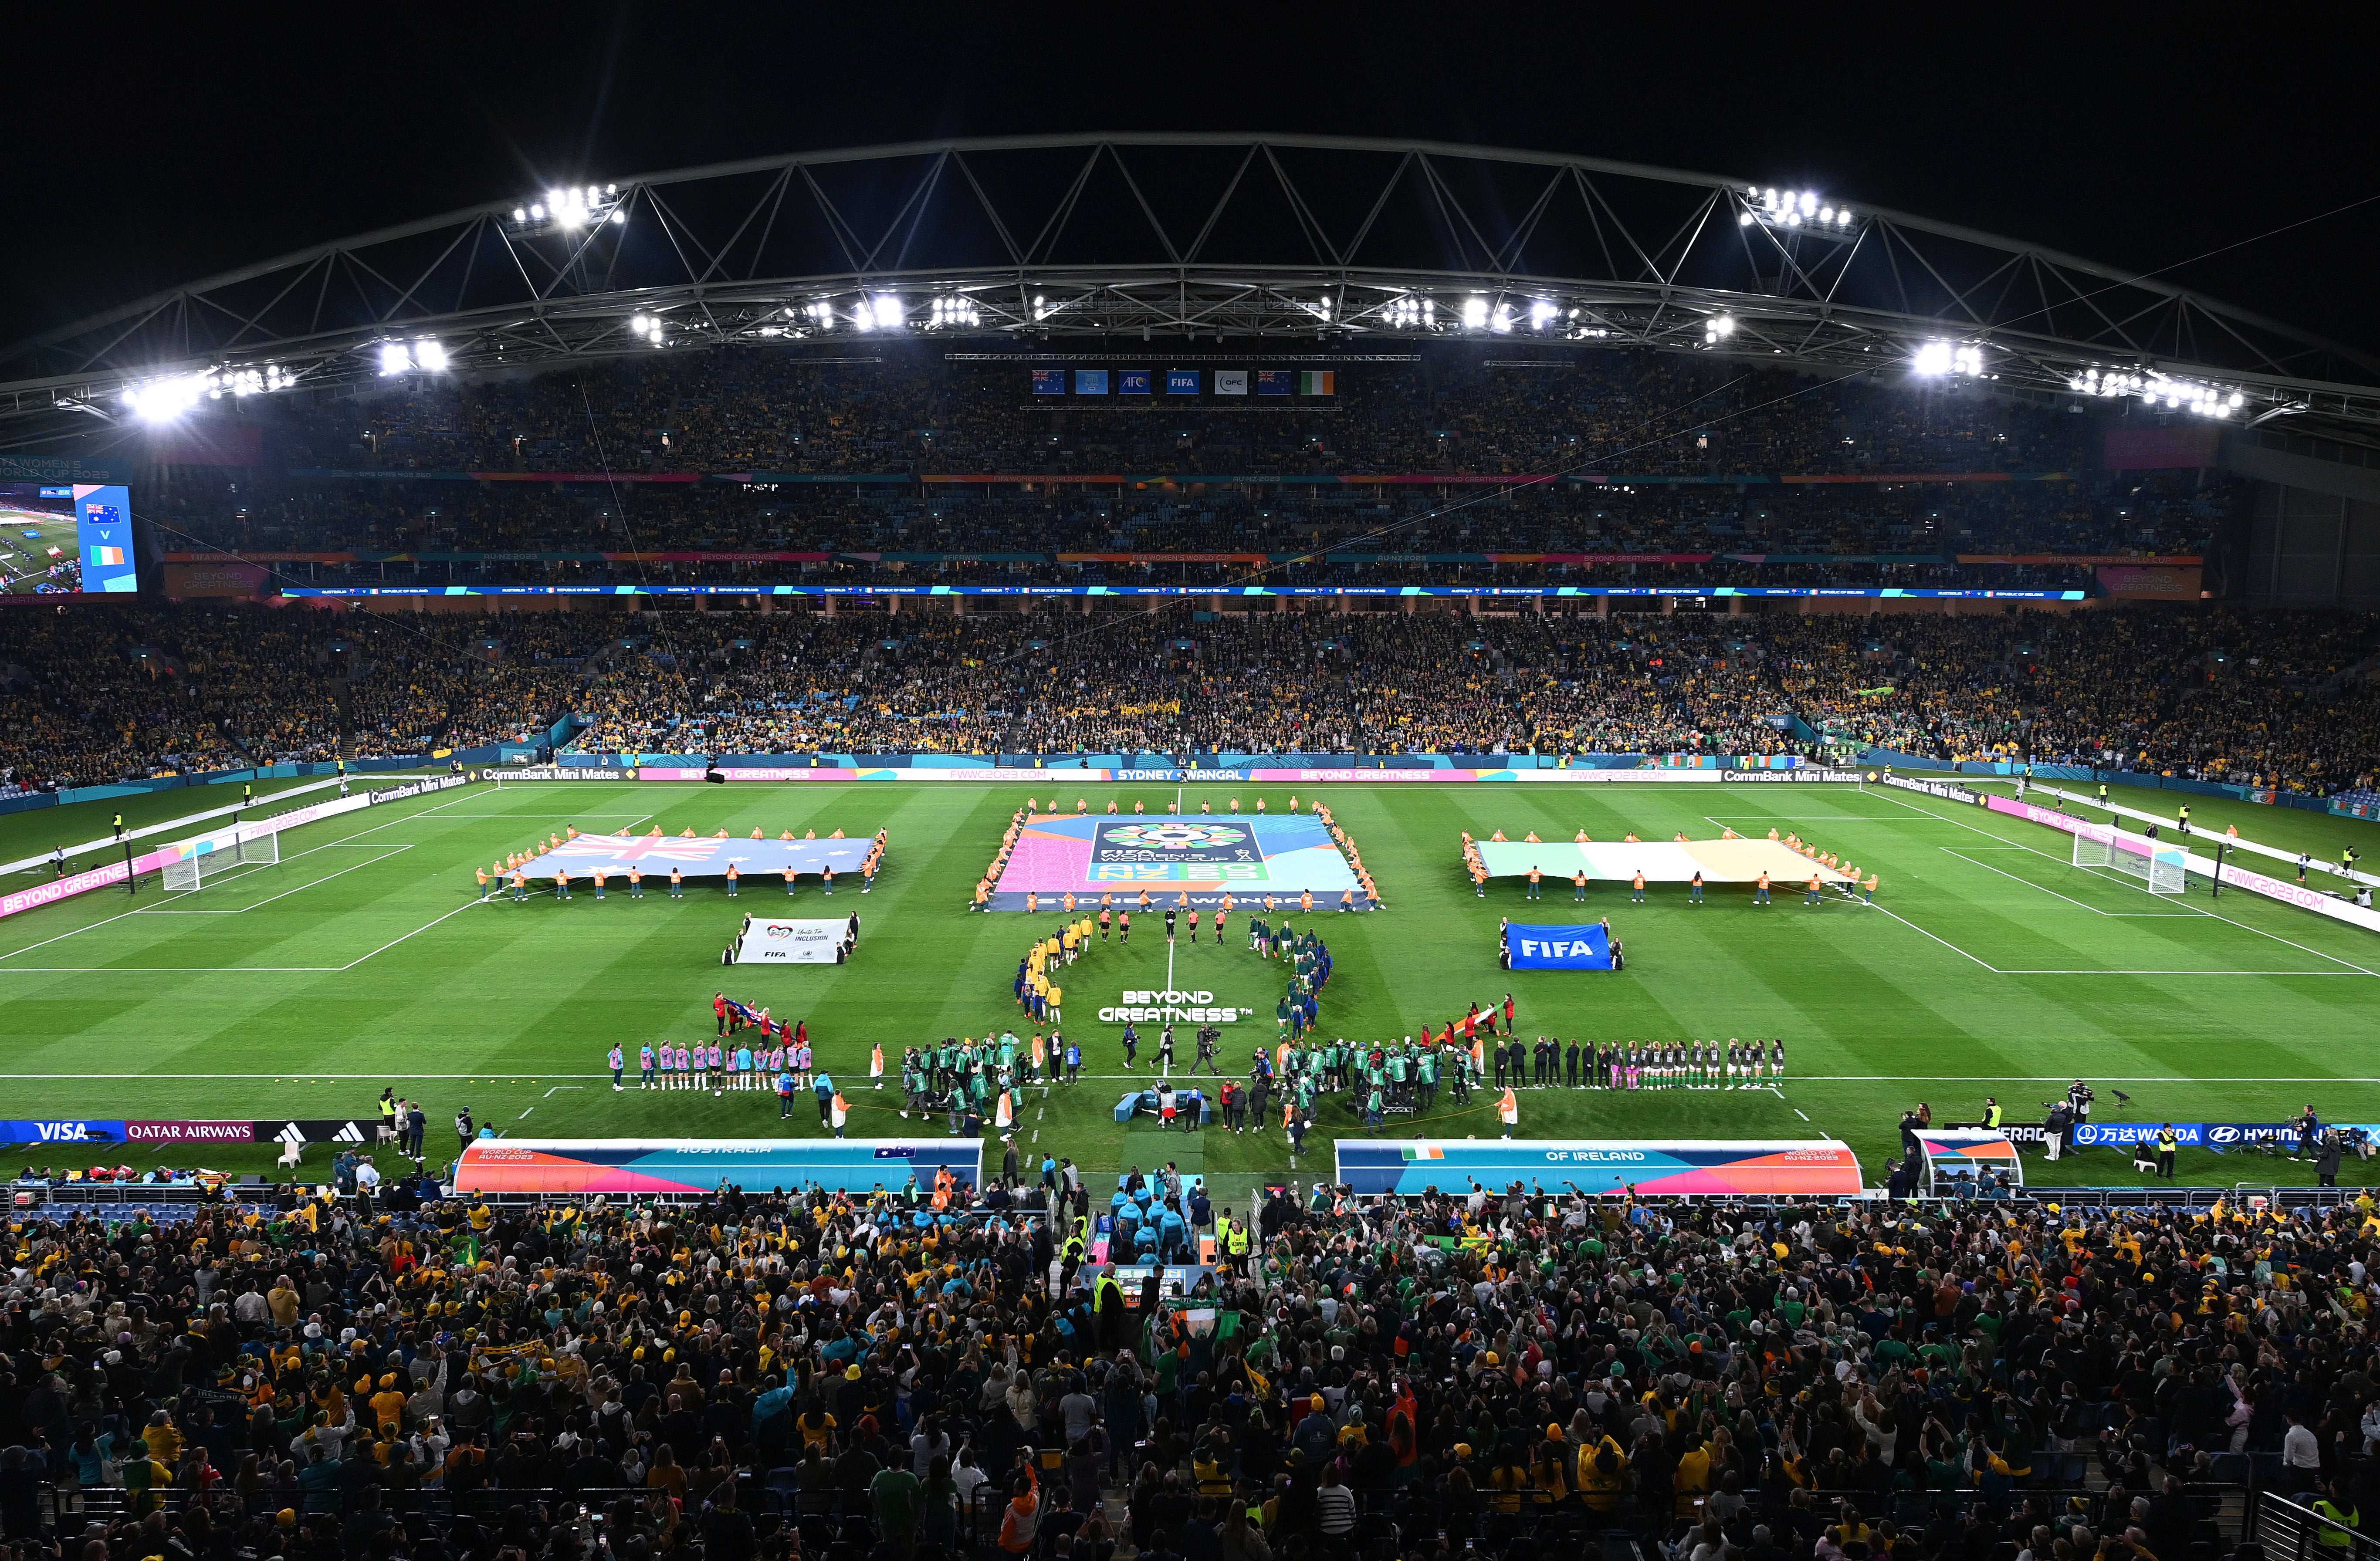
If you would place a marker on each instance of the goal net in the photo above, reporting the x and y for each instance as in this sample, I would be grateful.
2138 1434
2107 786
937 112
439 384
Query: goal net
2160 867
245 849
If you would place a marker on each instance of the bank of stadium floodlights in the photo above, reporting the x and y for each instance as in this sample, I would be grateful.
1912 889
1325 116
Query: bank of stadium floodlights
1046 248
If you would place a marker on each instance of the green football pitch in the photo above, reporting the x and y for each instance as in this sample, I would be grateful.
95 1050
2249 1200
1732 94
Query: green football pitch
1987 965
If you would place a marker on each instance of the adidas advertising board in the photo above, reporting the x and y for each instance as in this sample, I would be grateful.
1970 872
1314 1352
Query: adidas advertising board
320 1129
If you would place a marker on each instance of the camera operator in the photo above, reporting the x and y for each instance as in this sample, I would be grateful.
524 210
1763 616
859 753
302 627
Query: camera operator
2078 1099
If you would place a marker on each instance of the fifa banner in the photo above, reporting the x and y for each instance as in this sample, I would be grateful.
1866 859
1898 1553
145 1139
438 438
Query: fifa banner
573 1167
222 840
774 941
2234 875
1817 1168
1584 947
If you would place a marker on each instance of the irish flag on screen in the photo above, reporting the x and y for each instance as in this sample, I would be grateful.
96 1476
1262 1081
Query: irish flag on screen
1317 381
102 557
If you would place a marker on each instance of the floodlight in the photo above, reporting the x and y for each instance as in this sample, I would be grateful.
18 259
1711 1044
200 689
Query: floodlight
888 311
394 359
163 400
1933 357
430 354
620 217
537 214
1475 312
1503 318
520 213
1539 313
1743 218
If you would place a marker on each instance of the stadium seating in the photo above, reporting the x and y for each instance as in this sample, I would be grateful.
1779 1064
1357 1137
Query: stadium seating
334 479
2270 699
1505 1374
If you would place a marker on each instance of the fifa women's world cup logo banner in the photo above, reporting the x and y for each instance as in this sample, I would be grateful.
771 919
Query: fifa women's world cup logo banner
1246 857
1174 852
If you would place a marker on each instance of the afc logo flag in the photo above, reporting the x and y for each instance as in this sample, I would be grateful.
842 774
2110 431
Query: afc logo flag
1134 382
1048 382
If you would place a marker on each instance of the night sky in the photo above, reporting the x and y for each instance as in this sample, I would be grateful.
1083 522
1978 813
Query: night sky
162 148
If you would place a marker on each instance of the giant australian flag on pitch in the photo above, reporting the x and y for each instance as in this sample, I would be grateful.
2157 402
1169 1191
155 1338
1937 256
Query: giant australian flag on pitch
702 857
1585 947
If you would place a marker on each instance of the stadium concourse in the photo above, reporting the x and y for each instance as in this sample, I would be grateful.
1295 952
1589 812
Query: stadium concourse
1520 1373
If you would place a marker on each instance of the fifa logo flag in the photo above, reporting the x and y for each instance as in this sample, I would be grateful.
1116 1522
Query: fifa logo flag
1182 382
1048 382
1585 947
1231 381
1134 382
1090 381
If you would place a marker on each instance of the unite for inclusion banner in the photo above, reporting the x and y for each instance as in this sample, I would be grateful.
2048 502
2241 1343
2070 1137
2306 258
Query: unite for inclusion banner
1583 947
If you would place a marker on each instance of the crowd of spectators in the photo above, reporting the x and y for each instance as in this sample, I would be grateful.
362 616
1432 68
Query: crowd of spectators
924 1373
1607 417
2262 698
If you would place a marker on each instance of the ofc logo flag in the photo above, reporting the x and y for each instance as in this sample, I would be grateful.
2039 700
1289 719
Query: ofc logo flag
1586 947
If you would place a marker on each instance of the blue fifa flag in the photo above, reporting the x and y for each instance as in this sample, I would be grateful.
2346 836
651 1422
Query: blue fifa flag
1585 947
1134 381
1090 381
1048 382
1182 382
1274 381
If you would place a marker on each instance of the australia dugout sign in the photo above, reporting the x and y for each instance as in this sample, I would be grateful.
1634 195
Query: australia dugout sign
1585 947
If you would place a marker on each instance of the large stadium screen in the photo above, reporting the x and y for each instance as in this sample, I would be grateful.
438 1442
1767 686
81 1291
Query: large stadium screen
65 539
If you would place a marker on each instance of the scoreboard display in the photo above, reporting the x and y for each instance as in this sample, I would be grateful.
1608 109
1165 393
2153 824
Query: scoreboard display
66 539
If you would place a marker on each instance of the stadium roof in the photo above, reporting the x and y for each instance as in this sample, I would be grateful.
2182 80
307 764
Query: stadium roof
1269 245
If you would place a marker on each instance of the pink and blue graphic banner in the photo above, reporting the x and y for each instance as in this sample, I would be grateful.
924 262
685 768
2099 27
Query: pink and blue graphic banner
1206 859
1817 1168
699 1166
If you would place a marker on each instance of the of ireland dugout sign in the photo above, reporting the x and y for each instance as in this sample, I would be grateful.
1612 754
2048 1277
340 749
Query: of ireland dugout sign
1583 947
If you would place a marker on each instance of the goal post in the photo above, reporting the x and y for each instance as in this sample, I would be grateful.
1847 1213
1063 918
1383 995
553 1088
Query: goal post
2161 869
259 849
248 847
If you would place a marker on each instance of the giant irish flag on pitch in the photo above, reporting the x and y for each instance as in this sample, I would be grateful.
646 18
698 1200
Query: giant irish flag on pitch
1317 381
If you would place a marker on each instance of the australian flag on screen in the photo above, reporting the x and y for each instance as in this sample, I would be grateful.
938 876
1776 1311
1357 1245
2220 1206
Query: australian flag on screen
1273 382
1048 382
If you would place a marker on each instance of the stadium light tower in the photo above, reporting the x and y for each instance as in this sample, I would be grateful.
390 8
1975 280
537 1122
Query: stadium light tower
1794 211
571 209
